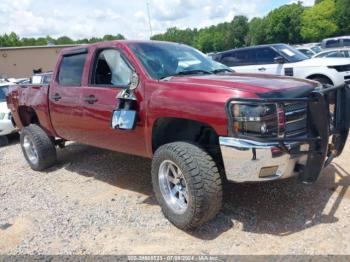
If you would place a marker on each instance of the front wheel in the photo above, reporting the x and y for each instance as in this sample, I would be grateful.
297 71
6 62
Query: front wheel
38 149
187 184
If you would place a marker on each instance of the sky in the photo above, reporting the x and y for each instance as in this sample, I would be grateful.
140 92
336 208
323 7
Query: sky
84 19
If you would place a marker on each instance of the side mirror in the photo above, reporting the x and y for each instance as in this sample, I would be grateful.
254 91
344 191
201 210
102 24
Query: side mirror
279 60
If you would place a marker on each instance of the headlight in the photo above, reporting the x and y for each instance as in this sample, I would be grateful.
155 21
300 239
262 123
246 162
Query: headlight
2 115
258 120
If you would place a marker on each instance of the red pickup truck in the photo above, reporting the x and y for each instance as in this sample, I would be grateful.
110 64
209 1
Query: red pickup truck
200 122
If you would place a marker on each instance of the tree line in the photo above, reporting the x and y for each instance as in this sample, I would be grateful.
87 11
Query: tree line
292 24
13 40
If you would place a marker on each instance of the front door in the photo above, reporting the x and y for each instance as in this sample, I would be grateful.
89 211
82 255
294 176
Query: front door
110 73
265 57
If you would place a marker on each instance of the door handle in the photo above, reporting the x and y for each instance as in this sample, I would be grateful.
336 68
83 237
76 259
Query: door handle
261 69
90 99
56 97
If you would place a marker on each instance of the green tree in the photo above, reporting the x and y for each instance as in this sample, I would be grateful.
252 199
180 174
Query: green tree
318 21
64 40
11 39
256 33
283 24
112 37
342 15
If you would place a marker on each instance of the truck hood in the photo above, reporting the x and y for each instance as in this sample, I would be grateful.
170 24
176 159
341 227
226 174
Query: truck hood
317 62
261 85
4 108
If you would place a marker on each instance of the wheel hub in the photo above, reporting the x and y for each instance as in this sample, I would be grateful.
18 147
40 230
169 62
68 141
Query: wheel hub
30 150
173 186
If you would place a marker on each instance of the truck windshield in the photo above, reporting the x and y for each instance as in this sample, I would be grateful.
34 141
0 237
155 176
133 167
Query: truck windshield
3 93
162 60
290 53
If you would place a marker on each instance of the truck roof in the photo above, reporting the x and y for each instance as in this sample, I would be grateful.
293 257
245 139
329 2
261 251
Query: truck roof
126 42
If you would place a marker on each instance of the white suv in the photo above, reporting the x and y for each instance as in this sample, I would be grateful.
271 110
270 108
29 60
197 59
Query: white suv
282 59
6 123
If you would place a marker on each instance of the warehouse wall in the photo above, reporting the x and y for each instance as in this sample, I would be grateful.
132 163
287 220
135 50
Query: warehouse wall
20 62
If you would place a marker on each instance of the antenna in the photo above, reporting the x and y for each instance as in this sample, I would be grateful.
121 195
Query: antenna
149 19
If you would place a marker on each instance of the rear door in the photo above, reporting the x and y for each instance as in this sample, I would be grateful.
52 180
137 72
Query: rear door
245 61
65 96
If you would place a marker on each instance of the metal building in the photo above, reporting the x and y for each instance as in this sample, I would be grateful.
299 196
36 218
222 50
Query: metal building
19 62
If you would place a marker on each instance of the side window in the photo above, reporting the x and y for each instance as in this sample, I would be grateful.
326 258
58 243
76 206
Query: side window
71 70
229 59
335 54
110 69
346 41
266 55
47 79
246 57
333 43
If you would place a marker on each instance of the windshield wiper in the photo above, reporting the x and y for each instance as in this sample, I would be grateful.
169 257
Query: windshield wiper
216 71
189 72
194 72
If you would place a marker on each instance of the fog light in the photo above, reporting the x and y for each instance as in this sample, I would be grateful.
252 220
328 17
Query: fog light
268 171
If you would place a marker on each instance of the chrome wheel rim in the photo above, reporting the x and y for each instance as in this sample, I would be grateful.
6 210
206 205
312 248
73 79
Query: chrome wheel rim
30 150
173 186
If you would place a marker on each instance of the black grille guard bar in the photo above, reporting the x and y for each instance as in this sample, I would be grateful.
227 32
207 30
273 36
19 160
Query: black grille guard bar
318 127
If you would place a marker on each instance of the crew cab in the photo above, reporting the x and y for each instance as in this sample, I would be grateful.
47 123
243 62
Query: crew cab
282 59
201 123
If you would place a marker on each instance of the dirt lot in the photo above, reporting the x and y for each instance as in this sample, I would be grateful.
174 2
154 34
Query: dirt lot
99 202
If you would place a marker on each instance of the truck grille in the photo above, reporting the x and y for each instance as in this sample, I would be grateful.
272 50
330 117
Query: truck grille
296 119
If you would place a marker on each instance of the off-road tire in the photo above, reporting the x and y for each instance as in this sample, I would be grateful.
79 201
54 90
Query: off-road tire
203 182
44 146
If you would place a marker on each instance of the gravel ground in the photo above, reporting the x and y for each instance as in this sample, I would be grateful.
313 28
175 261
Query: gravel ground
100 202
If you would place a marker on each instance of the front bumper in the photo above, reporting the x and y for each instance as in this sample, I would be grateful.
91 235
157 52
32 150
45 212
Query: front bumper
253 160
250 161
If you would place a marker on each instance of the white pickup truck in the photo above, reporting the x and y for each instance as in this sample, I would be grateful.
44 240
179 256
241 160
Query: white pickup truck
282 59
6 123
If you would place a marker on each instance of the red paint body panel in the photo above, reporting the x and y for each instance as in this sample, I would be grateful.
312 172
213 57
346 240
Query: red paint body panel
196 98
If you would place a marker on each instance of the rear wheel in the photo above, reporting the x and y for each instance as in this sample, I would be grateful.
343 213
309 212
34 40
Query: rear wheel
187 184
38 149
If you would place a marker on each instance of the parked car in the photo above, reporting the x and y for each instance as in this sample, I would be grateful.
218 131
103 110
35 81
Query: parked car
6 123
41 78
282 59
306 51
201 123
309 49
339 52
335 42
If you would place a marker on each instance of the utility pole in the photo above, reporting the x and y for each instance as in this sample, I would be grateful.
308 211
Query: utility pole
149 19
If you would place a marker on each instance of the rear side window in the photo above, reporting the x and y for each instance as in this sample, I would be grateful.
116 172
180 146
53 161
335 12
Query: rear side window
266 55
229 59
333 43
346 42
335 54
246 57
71 70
